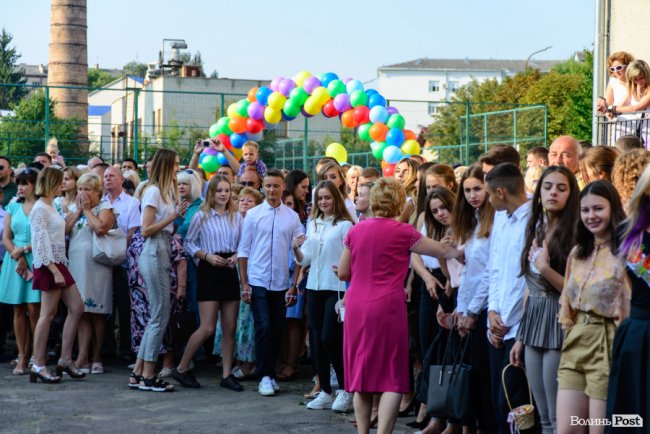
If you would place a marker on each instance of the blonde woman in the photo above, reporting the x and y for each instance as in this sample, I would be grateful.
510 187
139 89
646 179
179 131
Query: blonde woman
352 180
406 173
627 171
638 87
616 92
69 190
597 163
90 215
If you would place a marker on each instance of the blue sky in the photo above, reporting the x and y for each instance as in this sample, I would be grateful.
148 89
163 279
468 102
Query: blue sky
250 39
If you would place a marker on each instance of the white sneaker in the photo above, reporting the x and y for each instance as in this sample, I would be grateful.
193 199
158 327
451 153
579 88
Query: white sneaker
334 382
275 385
266 387
322 402
165 373
343 402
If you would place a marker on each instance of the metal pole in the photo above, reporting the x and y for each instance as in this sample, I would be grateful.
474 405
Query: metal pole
135 124
305 142
545 125
485 133
514 126
467 113
221 108
597 67
9 144
47 116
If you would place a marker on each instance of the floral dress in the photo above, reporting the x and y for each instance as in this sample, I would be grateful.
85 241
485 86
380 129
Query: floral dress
139 304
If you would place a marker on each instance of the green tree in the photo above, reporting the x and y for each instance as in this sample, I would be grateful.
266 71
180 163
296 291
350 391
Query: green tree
99 78
9 74
135 68
23 134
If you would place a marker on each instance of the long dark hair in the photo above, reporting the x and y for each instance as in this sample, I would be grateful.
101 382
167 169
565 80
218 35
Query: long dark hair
339 211
420 204
292 180
27 176
464 219
435 229
562 241
585 240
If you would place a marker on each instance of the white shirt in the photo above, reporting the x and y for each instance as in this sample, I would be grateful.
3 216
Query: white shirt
352 208
266 238
48 235
153 199
473 289
506 287
127 211
430 262
214 234
323 249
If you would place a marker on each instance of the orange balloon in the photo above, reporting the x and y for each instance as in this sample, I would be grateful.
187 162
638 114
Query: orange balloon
378 132
251 94
237 124
409 135
347 119
383 164
237 153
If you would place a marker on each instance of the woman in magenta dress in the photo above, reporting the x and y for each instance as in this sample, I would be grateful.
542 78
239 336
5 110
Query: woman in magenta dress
375 344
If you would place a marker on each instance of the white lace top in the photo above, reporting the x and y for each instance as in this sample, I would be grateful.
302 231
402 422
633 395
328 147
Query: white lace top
48 235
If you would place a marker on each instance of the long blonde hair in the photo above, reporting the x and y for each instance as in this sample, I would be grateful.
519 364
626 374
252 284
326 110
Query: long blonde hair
209 202
637 69
638 217
163 169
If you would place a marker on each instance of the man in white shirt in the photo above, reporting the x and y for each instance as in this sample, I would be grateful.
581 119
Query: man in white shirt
263 257
507 191
127 209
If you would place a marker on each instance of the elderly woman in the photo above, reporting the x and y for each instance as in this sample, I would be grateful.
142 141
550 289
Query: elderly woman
376 258
90 215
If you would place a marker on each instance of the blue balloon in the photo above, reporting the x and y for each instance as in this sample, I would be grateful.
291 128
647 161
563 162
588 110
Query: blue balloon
223 161
378 114
262 95
327 78
395 137
238 140
201 157
267 126
254 137
371 92
392 154
376 100
287 117
353 85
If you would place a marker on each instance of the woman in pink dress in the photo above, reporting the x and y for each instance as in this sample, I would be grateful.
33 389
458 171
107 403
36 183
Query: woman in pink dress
375 344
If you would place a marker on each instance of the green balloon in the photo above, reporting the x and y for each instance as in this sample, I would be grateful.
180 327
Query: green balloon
299 95
358 98
291 108
210 164
214 130
222 126
396 120
336 87
364 132
377 149
242 108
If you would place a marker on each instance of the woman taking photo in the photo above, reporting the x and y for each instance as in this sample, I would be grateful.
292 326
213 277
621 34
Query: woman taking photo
90 215
352 180
549 237
52 278
212 240
616 92
320 249
16 273
376 358
596 296
159 211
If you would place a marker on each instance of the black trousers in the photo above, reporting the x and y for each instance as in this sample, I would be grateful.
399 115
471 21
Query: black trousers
269 316
327 334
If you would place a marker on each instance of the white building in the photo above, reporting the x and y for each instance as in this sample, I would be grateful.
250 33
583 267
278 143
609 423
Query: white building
418 87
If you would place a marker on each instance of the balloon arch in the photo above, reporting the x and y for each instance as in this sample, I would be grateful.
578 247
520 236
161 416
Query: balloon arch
309 95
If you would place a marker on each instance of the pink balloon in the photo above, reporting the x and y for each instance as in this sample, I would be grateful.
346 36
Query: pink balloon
310 84
275 84
342 102
346 80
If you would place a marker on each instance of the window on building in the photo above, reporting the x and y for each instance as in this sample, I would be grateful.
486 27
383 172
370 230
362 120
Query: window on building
433 108
453 86
434 85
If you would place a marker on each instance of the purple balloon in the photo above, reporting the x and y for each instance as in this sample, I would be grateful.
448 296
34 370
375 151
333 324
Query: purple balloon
256 110
255 137
286 86
310 84
392 110
275 83
304 113
342 102
210 151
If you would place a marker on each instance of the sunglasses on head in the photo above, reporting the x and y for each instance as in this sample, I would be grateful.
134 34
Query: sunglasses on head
617 68
248 183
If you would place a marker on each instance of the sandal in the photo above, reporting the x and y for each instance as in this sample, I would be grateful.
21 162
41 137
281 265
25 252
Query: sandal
155 385
70 369
134 381
97 368
17 369
44 375
284 376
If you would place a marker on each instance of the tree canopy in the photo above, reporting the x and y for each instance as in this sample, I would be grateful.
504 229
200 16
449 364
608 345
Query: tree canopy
10 95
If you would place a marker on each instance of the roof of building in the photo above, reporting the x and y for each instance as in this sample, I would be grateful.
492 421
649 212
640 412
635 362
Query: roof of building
98 110
472 64
35 70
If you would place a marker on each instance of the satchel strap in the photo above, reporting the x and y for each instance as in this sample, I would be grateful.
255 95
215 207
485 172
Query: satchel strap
460 356
505 389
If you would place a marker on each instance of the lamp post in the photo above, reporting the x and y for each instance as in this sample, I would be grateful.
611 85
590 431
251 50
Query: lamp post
533 53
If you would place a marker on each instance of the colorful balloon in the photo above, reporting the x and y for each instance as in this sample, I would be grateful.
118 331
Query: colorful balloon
242 107
353 86
409 135
225 139
237 153
358 98
329 110
231 111
394 137
312 106
214 130
276 100
252 94
377 149
286 86
272 116
392 154
222 125
250 136
310 84
223 161
238 140
337 151
300 77
336 87
291 107
378 114
392 110
396 121
254 125
364 132
376 100
210 164
320 94
275 83
347 119
411 147
328 77
378 132
299 95
389 170
237 124
361 114
263 95
342 102
256 110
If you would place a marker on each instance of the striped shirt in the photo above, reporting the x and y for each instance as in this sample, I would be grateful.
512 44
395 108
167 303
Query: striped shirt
214 234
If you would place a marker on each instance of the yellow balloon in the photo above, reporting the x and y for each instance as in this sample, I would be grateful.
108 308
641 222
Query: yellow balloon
232 111
276 100
411 147
272 115
237 153
337 151
300 78
312 106
320 94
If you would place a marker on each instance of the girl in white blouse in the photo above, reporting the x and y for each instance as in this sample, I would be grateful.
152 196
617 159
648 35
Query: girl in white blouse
321 249
52 278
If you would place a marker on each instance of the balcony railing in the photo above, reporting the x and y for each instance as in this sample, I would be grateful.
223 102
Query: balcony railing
608 130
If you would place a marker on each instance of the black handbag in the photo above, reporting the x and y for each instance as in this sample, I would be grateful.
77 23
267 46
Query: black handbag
459 403
439 376
181 326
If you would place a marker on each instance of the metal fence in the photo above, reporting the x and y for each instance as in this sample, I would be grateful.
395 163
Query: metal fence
609 130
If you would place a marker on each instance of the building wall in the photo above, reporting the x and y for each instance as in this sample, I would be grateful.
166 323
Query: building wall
628 28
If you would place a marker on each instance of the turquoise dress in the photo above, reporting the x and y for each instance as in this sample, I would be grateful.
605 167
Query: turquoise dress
13 288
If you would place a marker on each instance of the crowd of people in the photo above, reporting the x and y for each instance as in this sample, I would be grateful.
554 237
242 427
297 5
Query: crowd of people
377 278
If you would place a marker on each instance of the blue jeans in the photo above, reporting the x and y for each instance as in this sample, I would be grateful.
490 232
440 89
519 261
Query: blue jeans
269 314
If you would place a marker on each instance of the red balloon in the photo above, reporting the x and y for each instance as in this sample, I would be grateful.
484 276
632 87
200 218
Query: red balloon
409 135
389 170
329 110
378 132
225 139
361 114
254 126
347 119
237 124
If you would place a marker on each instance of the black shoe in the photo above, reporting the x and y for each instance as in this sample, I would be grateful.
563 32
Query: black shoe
420 425
230 382
185 379
155 385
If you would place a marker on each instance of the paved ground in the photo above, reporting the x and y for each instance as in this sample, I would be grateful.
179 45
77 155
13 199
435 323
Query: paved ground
104 404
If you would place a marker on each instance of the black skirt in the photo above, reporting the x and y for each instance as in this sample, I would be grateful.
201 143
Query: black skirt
217 283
